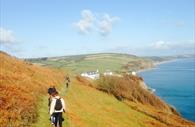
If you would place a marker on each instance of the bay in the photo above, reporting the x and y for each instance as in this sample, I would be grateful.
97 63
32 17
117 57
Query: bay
174 82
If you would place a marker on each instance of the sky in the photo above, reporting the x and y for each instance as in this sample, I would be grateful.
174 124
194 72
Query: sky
45 28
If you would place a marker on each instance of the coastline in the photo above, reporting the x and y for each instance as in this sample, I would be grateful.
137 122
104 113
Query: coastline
146 69
165 61
155 64
182 110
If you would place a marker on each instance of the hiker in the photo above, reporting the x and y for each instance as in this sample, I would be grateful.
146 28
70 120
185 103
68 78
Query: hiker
50 91
67 81
56 108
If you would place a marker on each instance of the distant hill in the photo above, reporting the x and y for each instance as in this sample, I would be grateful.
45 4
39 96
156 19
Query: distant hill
167 58
115 62
102 61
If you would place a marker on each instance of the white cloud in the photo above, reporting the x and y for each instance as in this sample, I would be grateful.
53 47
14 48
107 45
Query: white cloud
161 45
6 36
158 48
89 21
106 24
8 42
86 23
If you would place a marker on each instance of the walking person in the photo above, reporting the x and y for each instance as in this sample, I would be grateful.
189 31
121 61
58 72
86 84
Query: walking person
67 79
57 107
51 89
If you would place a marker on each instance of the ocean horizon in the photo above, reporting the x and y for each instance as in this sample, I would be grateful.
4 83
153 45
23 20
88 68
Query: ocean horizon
174 82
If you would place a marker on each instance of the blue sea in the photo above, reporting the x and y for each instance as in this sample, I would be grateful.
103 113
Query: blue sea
174 82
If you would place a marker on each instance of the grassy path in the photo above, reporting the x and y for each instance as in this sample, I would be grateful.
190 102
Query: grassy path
43 113
88 107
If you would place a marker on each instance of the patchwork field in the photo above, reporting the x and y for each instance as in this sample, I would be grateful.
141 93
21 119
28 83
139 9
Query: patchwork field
102 62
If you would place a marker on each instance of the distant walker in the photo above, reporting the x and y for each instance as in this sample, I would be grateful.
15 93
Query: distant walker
67 80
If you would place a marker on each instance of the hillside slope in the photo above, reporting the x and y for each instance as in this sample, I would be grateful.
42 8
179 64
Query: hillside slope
21 86
23 101
88 107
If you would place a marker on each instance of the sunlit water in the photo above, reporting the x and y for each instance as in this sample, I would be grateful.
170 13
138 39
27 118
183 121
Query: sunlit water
175 83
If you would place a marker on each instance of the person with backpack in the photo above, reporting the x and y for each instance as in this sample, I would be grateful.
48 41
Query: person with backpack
51 90
56 108
67 79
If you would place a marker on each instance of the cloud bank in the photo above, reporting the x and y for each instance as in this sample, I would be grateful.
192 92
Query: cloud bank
89 21
166 45
157 48
6 36
161 45
85 24
106 24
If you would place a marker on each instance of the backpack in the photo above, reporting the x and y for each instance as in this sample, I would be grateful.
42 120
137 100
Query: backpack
58 105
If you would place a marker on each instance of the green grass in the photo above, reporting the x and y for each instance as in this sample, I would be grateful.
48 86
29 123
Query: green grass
92 62
88 107
43 114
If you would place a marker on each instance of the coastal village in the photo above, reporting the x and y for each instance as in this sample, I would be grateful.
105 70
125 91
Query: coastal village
95 75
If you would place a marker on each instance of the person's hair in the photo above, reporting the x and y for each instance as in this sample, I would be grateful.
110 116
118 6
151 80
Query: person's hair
54 93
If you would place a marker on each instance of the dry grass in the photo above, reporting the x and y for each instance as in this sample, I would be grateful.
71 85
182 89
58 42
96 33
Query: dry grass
166 118
21 85
128 87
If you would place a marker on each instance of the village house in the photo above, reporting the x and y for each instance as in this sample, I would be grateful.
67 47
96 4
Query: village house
108 73
91 74
130 72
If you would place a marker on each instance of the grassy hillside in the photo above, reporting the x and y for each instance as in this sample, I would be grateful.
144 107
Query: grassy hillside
21 86
129 87
23 100
88 107
102 62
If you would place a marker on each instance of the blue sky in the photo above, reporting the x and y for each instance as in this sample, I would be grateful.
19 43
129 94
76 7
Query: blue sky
37 28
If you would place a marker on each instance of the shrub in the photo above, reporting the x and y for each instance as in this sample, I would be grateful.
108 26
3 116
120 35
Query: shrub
128 87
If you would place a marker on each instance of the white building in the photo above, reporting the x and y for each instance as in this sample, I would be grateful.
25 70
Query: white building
108 73
91 74
133 73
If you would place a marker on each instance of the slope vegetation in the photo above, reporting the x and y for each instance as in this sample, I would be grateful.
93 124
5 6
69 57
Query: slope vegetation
23 100
21 86
89 107
128 91
129 87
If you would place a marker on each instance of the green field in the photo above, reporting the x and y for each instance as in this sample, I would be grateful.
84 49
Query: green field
102 62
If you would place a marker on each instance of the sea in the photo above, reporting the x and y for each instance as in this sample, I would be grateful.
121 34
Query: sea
174 82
